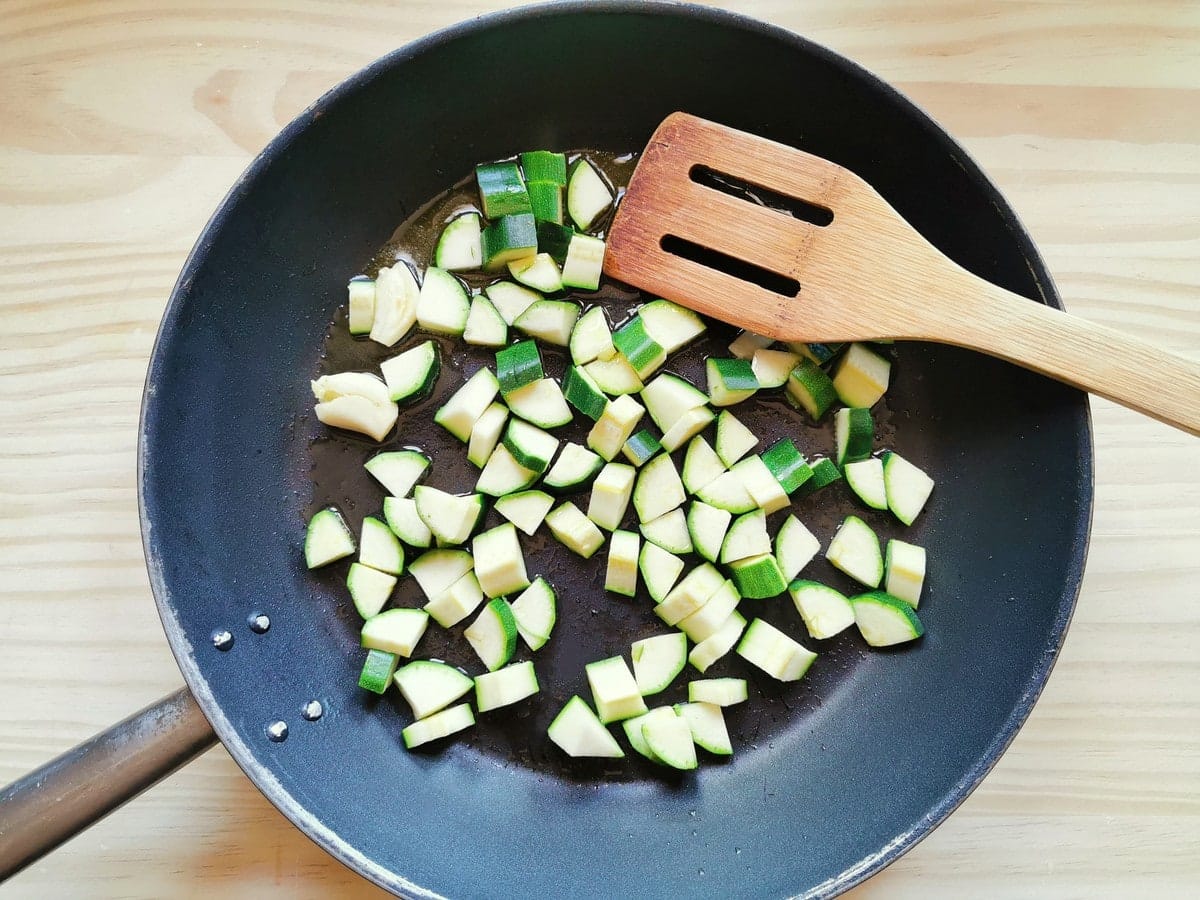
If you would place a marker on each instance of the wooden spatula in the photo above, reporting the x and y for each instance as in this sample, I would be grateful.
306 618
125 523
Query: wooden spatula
862 273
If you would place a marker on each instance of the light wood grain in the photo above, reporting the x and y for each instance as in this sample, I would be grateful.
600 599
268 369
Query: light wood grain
125 122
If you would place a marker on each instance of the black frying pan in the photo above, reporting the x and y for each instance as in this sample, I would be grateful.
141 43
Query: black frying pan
834 777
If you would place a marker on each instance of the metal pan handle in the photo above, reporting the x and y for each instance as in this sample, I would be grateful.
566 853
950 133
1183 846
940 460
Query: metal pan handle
54 803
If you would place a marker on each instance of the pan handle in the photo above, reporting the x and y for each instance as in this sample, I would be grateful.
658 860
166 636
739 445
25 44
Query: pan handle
54 803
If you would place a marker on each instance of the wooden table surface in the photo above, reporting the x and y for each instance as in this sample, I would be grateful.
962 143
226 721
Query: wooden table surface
122 124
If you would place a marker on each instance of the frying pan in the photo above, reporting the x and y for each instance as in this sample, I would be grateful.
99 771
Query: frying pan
834 777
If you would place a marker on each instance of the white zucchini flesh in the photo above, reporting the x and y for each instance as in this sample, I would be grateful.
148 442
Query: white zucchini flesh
747 536
657 661
499 563
443 304
633 730
884 620
532 447
396 293
360 297
503 475
327 538
907 488
855 550
610 495
687 427
428 686
439 725
397 470
574 530
904 565
379 548
766 492
485 434
511 300
668 398
436 570
539 272
450 517
614 375
670 740
746 343
620 575
708 526
795 547
706 722
728 493
493 634
410 374
690 594
540 402
767 647
506 686
865 478
718 691
734 440
458 247
369 589
862 377
588 197
658 489
578 732
395 631
573 469
701 465
591 338
584 263
772 367
526 509
824 611
551 321
401 516
458 414
615 426
614 689
660 570
670 325
485 326
708 619
669 531
712 649
456 602
536 611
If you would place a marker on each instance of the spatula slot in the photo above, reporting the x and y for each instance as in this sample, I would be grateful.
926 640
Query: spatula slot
730 265
760 195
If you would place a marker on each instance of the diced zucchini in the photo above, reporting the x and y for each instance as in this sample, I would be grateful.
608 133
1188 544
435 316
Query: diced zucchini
825 612
713 648
439 725
854 432
746 343
591 338
530 446
730 381
795 547
396 293
574 530
379 548
525 509
504 475
610 495
621 572
582 392
536 612
485 326
855 550
660 570
818 353
485 434
862 377
687 427
499 563
707 725
615 425
718 691
555 239
658 489
772 367
501 189
508 238
369 589
458 414
574 469
884 620
824 473
395 631
357 413
908 488
539 272
644 354
436 570
361 301
774 652
459 248
578 732
758 577
708 619
671 325
506 686
444 303
865 478
411 375
450 517
669 531
728 493
584 263
701 465
707 526
690 594
546 200
670 740
397 470
657 661
641 447
544 165
400 513
811 388
904 565
456 602
428 686
510 300
327 539
588 196
549 320
734 440
377 671
767 493
788 465
518 365
633 730
614 690
747 536
668 398
615 376
493 634
541 403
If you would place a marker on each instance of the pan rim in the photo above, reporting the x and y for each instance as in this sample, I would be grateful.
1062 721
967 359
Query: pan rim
185 652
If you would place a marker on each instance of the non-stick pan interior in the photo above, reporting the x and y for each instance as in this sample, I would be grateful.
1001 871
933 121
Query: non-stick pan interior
832 778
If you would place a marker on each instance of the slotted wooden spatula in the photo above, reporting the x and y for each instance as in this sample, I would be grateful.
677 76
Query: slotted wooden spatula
862 273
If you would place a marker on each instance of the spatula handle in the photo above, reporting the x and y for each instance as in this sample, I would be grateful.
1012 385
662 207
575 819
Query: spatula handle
1097 359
